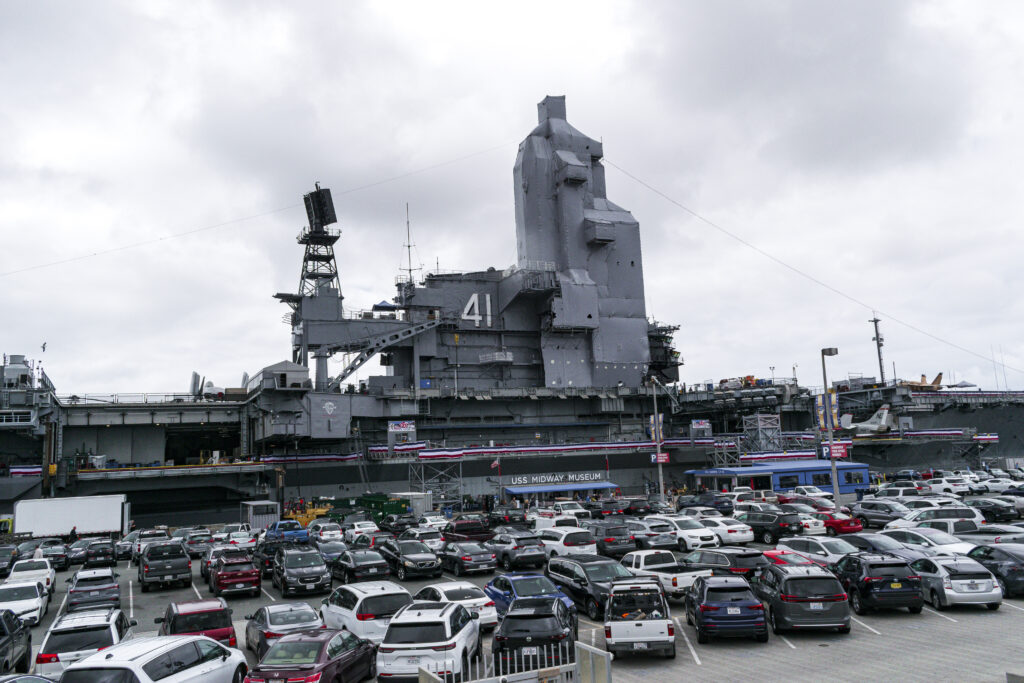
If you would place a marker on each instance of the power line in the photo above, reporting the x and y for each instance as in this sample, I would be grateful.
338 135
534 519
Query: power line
155 240
799 272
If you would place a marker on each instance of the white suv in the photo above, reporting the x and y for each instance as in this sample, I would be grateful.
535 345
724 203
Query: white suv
690 533
168 659
567 540
924 514
76 636
29 600
359 528
949 485
364 608
437 636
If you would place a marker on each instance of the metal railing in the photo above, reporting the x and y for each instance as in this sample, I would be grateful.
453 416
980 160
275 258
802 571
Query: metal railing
562 662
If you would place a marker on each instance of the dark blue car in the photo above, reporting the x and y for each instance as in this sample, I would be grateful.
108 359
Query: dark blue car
507 587
287 530
724 606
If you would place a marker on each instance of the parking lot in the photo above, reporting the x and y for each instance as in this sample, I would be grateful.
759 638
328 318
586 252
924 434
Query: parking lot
967 643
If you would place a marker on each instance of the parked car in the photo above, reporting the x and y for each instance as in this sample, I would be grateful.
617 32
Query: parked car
877 512
466 530
879 581
210 618
636 507
29 600
263 556
784 556
934 539
8 556
699 512
837 523
364 608
409 558
651 534
359 565
718 501
164 563
32 571
611 535
145 537
435 636
567 541
948 581
913 517
949 485
196 542
331 550
535 633
463 558
999 484
468 595
433 521
73 637
769 527
300 570
516 548
270 623
812 491
1016 501
15 642
607 507
505 589
994 510
147 660
76 551
718 606
210 556
425 535
587 579
506 515
823 550
802 597
286 530
396 524
357 527
972 532
372 539
324 531
877 543
100 554
233 574
122 548
812 525
327 655
637 619
92 589
726 560
691 533
58 556
729 531
1006 562
675 577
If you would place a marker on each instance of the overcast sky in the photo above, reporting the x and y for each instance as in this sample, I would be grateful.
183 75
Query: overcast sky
876 146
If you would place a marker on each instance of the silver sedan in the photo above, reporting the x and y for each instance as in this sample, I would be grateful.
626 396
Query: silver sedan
949 581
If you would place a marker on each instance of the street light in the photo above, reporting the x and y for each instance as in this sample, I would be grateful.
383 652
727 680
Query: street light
827 414
656 433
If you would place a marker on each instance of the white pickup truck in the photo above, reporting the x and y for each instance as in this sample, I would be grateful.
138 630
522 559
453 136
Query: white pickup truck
638 620
675 578
559 509
38 571
812 491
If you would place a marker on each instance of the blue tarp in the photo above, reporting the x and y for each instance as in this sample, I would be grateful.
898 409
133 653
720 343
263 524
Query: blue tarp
548 488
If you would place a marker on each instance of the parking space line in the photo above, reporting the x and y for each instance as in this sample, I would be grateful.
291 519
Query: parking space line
592 637
131 600
866 626
786 641
198 596
588 621
939 614
272 598
682 632
1006 604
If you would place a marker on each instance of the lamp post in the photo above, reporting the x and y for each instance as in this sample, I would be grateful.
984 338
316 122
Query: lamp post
657 441
827 414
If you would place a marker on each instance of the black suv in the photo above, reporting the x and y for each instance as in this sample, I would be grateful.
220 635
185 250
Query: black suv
587 579
802 597
409 558
887 545
1006 562
300 570
769 527
727 561
605 508
263 556
506 515
612 535
638 507
396 524
718 501
541 626
100 554
874 580
359 565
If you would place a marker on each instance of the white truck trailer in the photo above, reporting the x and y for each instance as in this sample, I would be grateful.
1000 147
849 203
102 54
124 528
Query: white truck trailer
88 515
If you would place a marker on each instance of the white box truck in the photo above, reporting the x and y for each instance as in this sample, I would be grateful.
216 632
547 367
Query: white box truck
89 515
259 514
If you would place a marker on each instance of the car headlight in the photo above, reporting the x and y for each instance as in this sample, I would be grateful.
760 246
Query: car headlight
291 579
407 563
28 611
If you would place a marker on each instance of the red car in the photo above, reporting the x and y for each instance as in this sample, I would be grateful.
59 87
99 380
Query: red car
838 523
234 574
315 656
210 618
788 557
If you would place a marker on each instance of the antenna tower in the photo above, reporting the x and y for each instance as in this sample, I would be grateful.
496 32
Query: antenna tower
879 343
319 268
409 270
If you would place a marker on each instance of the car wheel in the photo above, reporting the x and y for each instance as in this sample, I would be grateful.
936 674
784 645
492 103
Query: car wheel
671 654
843 629
914 610
936 601
856 604
401 573
1002 587
144 586
993 606
457 569
830 531
702 637
767 538
593 609
864 522
762 637
239 674
689 618
772 623
506 563
21 666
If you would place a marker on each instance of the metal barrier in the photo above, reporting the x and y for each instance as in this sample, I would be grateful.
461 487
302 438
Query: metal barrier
554 663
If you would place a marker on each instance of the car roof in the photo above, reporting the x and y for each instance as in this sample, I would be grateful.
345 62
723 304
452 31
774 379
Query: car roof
194 606
877 557
726 582
422 609
73 620
106 572
133 649
738 552
375 587
15 584
535 606
802 570
288 607
586 558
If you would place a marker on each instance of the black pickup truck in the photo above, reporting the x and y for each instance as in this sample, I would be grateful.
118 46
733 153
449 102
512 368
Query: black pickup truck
15 643
164 563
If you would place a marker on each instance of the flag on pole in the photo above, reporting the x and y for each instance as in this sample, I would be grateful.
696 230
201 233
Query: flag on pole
495 463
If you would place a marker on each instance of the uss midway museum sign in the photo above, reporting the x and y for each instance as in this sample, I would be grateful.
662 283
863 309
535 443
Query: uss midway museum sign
563 478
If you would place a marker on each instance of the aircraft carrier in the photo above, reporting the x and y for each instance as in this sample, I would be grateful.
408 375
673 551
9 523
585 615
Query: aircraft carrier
545 371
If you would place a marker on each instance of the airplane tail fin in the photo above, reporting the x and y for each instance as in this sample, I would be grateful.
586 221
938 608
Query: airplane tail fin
846 421
937 381
880 415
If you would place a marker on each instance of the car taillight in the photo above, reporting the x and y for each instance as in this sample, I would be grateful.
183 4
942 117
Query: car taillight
145 568
314 678
609 540
232 641
675 582
783 524
568 543
465 558
608 631
671 629
493 556
386 650
709 608
489 603
874 578
739 570
442 648
632 538
366 617
517 547
190 564
46 658
497 638
758 606
914 578
733 531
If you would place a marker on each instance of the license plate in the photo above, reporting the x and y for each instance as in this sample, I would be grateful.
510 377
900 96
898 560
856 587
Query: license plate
167 566
184 576
413 661
817 606
973 586
639 646
732 610
239 585
373 570
529 650
895 585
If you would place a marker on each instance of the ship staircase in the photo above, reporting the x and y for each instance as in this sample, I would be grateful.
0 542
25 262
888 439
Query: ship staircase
443 478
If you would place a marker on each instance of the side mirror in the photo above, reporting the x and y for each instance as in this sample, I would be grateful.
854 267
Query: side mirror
474 615
158 620
133 623
117 576
249 616
322 602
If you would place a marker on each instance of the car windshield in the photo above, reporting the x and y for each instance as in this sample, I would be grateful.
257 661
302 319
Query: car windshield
299 560
464 593
812 587
293 616
93 581
605 571
470 548
385 605
534 585
580 537
889 570
426 632
411 547
637 605
939 537
800 507
202 621
528 623
84 543
165 551
839 547
366 556
729 594
29 566
571 506
289 526
93 675
429 535
15 593
299 652
334 547
77 639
